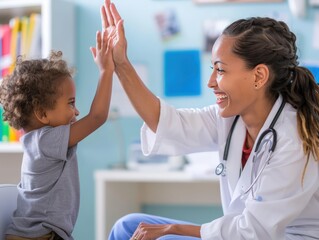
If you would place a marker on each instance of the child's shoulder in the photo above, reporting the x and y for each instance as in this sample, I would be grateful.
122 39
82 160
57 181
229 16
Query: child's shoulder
47 132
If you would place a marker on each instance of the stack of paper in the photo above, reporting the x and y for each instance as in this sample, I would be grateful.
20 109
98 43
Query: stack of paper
202 164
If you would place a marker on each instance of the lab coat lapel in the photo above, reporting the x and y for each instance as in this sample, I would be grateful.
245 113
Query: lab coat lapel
243 182
245 179
235 154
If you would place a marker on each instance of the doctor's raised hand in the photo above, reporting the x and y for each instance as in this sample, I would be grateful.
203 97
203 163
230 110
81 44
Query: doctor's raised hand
134 87
265 123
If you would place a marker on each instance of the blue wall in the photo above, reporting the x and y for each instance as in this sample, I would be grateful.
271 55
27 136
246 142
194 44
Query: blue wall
101 150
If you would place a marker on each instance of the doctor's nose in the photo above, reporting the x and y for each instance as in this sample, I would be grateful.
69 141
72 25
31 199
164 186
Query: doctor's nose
212 83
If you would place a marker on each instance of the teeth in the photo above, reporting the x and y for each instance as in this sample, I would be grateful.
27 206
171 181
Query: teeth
220 97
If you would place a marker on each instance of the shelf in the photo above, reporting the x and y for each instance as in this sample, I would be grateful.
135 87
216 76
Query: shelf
10 147
18 8
55 30
151 176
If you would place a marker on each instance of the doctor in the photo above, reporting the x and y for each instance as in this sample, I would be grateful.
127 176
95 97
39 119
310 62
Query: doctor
265 122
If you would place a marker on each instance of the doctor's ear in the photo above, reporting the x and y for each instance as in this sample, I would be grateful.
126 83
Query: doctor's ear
261 72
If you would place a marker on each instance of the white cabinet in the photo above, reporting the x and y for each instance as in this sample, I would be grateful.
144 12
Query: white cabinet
119 192
57 33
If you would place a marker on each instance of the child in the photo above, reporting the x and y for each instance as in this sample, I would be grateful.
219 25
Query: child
39 98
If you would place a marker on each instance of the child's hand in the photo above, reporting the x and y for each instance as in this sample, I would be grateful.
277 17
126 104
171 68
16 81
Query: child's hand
102 52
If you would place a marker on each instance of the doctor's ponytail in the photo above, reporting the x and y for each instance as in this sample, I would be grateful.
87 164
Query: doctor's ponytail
270 42
303 94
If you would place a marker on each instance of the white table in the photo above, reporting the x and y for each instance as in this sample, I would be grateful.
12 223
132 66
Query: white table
10 162
119 192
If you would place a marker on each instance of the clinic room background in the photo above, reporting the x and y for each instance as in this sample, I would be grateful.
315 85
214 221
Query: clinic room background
149 46
165 38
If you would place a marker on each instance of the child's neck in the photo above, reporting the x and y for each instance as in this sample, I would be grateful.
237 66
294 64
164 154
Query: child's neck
33 125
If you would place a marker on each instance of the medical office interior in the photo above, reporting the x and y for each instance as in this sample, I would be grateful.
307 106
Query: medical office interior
169 43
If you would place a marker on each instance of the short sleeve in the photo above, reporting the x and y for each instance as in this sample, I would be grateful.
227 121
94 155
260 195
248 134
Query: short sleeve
53 142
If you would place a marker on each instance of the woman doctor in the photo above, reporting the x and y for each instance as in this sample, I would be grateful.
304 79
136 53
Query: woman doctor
269 191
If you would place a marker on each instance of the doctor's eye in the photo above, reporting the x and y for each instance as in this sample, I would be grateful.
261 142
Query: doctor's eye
219 70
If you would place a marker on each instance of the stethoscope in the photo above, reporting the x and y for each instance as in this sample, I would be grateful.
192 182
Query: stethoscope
267 138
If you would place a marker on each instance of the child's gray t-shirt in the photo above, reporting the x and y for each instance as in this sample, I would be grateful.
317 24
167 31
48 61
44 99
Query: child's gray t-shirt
49 191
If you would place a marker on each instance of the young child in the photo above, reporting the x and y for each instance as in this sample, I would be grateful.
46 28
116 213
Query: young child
39 98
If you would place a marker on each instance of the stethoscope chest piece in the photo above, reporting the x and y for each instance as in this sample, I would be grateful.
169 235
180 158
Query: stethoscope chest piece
220 169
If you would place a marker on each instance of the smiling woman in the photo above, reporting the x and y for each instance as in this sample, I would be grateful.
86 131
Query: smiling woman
234 1
267 100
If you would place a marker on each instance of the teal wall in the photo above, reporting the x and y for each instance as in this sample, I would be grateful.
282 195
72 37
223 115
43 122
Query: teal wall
100 150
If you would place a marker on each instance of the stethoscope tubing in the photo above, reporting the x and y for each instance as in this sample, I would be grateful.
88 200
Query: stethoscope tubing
255 179
221 168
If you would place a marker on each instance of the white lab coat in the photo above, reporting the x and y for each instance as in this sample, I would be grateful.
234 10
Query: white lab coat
286 209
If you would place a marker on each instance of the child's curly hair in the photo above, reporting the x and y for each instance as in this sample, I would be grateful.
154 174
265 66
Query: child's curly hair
32 85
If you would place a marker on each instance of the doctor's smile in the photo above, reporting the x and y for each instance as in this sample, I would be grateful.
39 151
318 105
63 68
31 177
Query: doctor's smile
221 98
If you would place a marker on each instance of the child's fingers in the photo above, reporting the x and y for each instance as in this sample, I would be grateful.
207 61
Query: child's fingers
109 44
104 40
93 51
98 40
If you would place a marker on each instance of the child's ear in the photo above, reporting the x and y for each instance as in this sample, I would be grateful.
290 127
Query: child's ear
41 115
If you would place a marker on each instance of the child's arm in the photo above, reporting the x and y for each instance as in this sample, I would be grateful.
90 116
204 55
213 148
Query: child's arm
102 55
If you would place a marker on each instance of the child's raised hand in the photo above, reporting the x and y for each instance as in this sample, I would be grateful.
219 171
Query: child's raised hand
102 52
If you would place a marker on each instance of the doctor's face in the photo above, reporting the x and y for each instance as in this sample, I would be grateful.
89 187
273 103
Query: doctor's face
231 80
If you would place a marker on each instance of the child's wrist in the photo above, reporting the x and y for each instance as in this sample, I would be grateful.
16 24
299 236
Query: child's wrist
106 72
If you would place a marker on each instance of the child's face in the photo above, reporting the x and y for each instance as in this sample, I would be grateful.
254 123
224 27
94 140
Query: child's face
64 111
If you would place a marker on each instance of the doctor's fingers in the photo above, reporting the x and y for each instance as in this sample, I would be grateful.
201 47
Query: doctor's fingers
109 15
136 236
152 231
141 237
106 15
140 232
115 14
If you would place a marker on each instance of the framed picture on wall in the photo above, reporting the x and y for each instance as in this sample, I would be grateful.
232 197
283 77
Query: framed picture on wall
235 1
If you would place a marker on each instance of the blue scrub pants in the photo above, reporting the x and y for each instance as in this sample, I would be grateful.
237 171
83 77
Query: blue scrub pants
124 228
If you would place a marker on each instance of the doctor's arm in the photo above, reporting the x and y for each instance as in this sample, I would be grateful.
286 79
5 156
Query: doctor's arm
144 101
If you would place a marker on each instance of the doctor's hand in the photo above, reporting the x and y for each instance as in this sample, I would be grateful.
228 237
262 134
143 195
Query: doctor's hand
146 231
113 24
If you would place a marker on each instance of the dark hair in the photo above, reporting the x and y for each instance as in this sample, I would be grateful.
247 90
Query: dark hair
270 42
32 85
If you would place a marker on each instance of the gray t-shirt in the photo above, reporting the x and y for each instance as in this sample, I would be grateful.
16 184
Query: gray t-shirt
49 191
